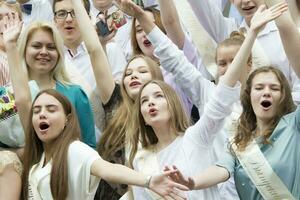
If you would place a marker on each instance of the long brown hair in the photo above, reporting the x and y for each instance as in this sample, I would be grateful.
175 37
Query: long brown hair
113 136
34 149
157 20
139 131
247 122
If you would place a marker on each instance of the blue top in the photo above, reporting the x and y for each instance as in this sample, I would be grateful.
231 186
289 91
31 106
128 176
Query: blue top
83 109
283 154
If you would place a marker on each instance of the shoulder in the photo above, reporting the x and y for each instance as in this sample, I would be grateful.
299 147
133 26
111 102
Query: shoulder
80 151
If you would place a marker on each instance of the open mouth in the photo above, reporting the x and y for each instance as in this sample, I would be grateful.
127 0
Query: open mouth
266 104
43 126
147 43
134 83
69 28
152 111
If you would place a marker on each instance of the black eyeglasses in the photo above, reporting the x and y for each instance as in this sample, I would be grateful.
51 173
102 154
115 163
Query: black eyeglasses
63 14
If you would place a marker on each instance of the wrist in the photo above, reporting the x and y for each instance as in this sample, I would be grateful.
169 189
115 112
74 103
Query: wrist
147 183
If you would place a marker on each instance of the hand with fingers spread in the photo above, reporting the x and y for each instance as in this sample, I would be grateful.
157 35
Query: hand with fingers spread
264 15
129 7
11 27
179 178
164 186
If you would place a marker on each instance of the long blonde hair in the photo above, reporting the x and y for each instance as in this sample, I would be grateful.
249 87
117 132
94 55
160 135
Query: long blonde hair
113 136
139 131
59 72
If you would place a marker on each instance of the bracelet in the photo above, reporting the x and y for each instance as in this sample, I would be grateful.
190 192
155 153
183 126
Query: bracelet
147 183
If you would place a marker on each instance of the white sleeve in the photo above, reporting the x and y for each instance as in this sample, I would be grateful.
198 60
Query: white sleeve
41 10
190 80
80 159
212 19
192 54
215 112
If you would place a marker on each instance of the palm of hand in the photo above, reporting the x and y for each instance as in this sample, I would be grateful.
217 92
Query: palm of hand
11 33
161 185
263 15
11 27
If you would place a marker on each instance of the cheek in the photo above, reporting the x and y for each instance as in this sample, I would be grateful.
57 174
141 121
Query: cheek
145 78
35 122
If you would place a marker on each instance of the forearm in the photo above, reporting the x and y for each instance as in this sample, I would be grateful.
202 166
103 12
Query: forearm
19 79
238 65
171 22
117 173
146 23
212 19
290 38
210 177
100 64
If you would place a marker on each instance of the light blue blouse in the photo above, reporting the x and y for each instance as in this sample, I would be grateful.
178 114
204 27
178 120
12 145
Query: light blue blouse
83 109
283 155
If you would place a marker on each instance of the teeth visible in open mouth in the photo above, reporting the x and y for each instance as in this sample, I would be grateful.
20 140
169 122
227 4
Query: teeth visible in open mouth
266 104
44 126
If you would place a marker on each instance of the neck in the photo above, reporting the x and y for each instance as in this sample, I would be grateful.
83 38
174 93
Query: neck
165 135
261 127
48 153
44 81
73 45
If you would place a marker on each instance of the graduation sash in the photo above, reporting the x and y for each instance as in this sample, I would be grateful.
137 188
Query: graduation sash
261 173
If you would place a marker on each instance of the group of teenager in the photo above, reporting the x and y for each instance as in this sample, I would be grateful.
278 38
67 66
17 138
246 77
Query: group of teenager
243 145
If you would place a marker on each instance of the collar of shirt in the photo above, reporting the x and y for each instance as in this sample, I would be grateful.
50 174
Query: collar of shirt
270 27
80 50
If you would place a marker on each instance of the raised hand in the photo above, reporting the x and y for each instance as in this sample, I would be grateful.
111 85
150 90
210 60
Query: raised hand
165 187
263 15
11 27
129 7
179 178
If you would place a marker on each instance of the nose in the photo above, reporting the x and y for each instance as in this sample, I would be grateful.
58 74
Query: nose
44 51
267 92
150 103
42 114
133 76
69 17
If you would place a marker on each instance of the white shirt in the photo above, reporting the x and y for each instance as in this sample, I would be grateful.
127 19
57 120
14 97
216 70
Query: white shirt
81 61
192 152
82 185
41 10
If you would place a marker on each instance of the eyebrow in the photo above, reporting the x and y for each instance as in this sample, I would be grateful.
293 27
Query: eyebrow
47 106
